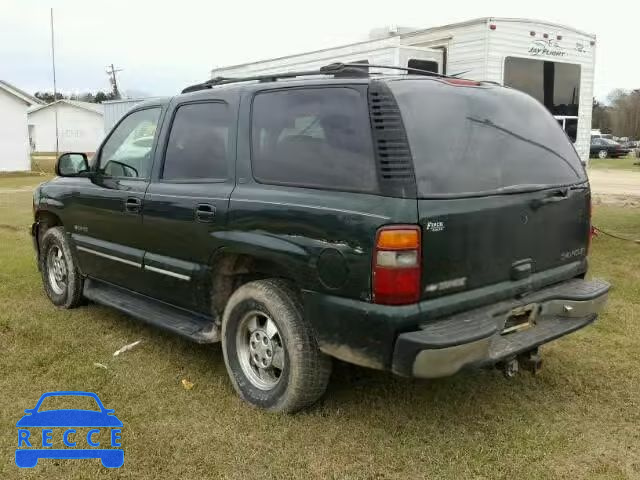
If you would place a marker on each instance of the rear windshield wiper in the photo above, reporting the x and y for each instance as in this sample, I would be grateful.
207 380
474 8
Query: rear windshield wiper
522 188
560 191
556 194
488 123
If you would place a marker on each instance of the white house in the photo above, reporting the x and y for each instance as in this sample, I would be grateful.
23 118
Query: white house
80 126
14 139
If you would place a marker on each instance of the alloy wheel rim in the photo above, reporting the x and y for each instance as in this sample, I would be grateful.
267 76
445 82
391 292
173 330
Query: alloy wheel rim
57 270
260 350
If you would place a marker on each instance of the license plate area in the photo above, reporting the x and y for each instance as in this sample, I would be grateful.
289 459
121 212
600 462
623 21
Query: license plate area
520 318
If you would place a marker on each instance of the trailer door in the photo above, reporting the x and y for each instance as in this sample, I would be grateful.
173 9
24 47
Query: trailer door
428 59
554 84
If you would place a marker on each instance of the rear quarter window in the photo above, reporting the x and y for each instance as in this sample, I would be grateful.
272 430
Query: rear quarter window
477 140
313 137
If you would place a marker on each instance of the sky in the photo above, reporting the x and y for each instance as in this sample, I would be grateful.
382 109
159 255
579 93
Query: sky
163 46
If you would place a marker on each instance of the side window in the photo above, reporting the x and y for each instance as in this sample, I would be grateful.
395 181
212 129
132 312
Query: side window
313 137
198 142
127 152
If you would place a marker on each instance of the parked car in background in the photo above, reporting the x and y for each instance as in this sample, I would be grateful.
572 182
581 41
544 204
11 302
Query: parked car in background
601 135
605 148
634 148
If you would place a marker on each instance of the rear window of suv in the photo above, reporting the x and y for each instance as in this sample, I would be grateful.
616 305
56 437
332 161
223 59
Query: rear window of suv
482 140
313 137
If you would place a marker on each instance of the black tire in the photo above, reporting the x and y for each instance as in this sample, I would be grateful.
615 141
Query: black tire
603 154
66 293
306 370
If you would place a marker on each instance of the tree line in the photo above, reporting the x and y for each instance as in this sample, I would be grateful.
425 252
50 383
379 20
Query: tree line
97 97
620 116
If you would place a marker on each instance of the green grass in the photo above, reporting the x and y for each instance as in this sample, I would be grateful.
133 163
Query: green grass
624 163
22 182
579 418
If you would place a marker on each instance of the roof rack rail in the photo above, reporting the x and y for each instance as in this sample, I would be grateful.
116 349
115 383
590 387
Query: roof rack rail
336 69
420 71
346 70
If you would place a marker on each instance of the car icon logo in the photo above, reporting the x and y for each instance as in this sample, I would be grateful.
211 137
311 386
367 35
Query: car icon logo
84 433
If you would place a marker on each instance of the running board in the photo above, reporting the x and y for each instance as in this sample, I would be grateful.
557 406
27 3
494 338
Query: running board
193 326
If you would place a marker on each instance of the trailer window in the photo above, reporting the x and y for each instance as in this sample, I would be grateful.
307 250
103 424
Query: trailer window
428 65
556 85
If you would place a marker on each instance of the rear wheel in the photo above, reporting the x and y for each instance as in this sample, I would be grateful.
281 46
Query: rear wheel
269 349
603 154
60 275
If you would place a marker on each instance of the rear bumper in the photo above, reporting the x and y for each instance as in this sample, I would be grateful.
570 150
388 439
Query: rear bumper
455 330
475 338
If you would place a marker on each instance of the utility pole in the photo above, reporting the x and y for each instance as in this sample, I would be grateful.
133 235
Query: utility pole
111 71
55 90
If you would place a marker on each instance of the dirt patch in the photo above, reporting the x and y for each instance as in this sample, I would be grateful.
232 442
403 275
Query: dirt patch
8 227
618 200
617 183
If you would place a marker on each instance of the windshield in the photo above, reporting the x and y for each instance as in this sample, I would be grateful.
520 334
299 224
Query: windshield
482 140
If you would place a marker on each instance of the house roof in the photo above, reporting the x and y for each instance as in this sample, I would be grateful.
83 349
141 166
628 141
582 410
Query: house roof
21 94
92 107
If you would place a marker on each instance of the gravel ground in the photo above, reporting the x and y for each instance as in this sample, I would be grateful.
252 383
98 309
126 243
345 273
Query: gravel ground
615 182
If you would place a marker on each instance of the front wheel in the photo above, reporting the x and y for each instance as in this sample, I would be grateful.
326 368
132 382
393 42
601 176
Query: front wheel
269 349
60 275
603 154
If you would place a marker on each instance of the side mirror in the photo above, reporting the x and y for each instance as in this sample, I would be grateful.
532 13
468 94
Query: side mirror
72 164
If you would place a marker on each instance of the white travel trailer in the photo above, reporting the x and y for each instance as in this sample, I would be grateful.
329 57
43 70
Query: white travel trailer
553 63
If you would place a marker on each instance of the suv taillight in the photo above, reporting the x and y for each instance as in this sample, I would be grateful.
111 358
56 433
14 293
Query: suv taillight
462 82
396 265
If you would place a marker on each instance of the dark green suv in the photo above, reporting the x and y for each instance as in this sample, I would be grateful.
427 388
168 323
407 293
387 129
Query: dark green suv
400 222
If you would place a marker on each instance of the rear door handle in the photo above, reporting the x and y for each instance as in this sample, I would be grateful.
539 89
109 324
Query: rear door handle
205 212
133 205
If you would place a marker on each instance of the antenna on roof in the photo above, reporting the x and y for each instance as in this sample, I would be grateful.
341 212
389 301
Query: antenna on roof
55 90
